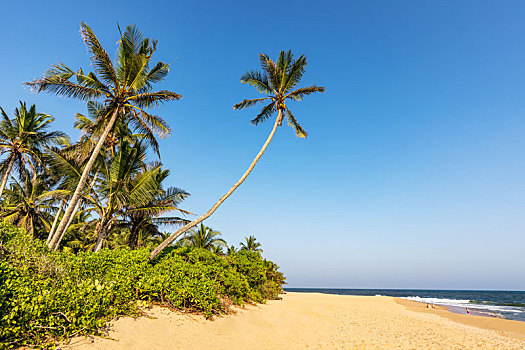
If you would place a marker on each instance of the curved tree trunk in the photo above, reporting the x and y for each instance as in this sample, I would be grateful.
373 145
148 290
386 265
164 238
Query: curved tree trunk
70 211
6 175
57 215
91 185
197 221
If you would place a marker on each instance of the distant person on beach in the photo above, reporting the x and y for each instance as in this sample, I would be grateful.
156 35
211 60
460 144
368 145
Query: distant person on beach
468 311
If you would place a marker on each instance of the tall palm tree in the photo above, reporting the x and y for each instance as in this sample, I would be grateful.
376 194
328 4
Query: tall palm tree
277 81
204 238
24 138
124 87
251 245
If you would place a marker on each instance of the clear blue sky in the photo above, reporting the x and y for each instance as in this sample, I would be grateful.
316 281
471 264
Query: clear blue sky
413 174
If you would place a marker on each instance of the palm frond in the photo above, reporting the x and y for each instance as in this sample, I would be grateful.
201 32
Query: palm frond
299 94
153 99
266 112
155 123
295 73
257 80
248 103
99 57
65 87
299 131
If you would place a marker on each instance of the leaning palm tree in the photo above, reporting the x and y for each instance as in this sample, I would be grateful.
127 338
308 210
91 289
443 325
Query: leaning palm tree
251 245
124 87
277 81
204 238
23 139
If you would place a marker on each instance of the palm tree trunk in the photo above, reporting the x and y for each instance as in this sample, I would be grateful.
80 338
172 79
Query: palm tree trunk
82 183
6 175
55 247
197 221
101 236
133 237
57 215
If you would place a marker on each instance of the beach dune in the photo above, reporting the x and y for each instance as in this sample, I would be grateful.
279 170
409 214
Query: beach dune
313 321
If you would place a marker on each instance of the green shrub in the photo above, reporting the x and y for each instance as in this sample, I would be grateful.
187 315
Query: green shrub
49 296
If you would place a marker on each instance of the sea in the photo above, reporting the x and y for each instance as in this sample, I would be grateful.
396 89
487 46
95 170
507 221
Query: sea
504 304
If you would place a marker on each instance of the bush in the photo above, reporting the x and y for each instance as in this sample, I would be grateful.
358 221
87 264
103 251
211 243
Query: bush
49 296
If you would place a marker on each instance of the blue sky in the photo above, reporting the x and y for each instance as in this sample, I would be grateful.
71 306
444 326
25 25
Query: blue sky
413 174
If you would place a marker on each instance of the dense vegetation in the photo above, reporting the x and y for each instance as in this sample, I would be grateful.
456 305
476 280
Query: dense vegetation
85 226
47 295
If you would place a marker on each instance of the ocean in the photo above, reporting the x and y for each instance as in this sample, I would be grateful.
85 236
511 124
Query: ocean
504 304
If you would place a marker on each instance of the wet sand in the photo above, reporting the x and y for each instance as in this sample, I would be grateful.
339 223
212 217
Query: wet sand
314 321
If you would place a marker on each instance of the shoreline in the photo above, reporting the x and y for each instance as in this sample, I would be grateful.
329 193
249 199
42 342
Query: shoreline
513 328
313 320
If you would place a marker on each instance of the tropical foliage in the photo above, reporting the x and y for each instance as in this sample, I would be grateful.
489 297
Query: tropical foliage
125 89
251 245
47 296
23 139
204 238
88 229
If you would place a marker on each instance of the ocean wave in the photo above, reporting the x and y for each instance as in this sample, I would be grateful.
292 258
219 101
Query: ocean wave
472 304
484 302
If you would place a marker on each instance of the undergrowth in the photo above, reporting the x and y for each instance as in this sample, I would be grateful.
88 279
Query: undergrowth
46 296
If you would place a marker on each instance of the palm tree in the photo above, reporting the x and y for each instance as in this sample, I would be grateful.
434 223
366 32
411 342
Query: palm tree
28 204
80 234
125 181
67 168
24 138
231 250
251 245
218 249
125 89
204 238
144 221
277 81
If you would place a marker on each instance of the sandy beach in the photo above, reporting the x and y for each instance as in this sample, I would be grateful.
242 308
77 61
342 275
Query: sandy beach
313 321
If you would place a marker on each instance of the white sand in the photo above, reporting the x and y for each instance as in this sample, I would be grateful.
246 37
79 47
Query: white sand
309 321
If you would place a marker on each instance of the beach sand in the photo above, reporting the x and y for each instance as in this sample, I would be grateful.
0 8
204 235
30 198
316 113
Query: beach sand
313 321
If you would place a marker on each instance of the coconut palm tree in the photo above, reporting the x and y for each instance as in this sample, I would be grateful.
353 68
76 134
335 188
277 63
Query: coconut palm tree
277 81
28 204
23 139
124 87
125 180
67 169
204 238
251 245
144 221
80 234
231 250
